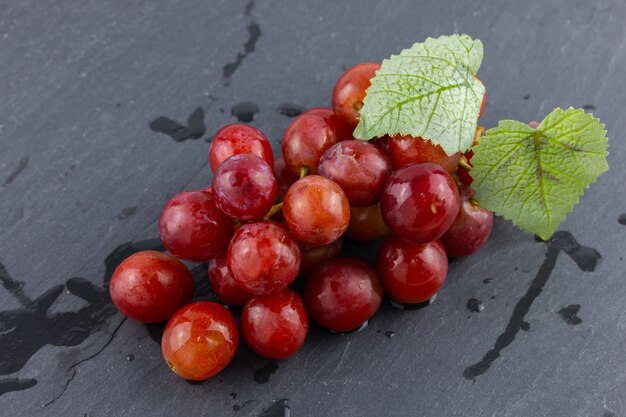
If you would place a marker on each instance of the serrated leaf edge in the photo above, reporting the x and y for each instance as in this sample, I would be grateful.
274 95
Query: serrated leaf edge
578 195
363 133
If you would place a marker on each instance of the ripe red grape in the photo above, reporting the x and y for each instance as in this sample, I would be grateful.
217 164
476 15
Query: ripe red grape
465 176
420 202
349 91
275 326
382 143
366 223
316 210
284 177
359 168
313 255
342 294
200 340
224 285
411 273
471 228
406 150
244 187
263 257
149 286
304 142
238 138
344 132
193 228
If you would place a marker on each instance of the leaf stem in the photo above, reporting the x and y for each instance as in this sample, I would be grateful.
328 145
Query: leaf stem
304 171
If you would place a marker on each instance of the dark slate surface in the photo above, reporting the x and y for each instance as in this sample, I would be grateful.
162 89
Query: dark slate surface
82 174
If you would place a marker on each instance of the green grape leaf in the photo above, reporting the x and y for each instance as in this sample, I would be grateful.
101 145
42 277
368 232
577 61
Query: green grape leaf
429 90
534 177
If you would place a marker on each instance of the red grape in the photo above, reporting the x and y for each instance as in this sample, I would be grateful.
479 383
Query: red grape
420 202
149 286
304 142
349 91
238 138
359 168
382 143
411 273
342 294
366 223
284 177
200 340
465 176
344 132
313 255
193 228
275 326
244 187
263 257
406 150
316 210
224 285
471 228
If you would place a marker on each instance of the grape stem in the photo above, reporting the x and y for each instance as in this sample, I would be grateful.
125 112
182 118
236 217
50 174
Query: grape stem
465 163
479 132
304 171
275 209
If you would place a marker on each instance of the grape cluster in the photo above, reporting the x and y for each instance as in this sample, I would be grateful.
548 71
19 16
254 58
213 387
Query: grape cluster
263 222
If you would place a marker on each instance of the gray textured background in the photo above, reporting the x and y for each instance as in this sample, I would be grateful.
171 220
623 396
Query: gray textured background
81 173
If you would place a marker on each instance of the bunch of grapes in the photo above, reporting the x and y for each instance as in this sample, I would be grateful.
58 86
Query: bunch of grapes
263 222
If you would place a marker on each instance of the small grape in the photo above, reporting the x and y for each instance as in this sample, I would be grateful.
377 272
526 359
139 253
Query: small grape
200 340
244 187
406 150
239 138
263 257
316 210
367 224
359 168
149 286
313 255
471 228
411 273
349 91
224 285
344 132
342 294
284 177
305 141
420 202
193 228
275 326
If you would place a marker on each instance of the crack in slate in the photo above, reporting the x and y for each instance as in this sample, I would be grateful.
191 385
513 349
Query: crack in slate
585 257
65 386
72 367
